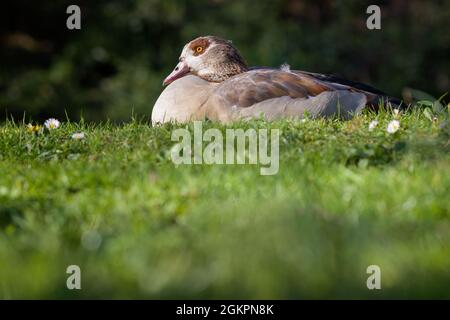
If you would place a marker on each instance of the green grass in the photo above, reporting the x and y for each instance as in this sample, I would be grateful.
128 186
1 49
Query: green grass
139 227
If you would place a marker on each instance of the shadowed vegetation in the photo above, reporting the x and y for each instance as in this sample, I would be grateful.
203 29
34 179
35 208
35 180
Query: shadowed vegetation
116 63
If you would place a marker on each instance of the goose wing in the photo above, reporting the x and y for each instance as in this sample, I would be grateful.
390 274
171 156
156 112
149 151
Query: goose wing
280 94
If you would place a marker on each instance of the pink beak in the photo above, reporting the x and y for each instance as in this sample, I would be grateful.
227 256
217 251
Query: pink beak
180 71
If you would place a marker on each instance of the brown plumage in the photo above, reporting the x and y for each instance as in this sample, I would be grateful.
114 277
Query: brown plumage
230 90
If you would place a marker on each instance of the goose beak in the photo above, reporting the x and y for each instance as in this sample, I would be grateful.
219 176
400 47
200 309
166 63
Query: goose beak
180 71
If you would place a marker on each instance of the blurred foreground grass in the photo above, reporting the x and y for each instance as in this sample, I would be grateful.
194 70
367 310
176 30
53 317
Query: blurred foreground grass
139 227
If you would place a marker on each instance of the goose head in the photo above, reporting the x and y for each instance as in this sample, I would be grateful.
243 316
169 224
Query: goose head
211 58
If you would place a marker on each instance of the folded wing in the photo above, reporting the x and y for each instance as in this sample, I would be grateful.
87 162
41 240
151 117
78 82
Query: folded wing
279 94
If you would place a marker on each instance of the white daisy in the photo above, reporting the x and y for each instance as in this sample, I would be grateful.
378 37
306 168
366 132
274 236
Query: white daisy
393 126
34 128
372 125
52 123
78 136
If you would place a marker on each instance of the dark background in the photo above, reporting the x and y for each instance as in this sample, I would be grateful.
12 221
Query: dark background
114 66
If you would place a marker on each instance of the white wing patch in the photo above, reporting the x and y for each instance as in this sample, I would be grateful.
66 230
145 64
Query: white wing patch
285 67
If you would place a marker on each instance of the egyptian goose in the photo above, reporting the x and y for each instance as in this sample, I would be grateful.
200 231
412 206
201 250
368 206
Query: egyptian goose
213 81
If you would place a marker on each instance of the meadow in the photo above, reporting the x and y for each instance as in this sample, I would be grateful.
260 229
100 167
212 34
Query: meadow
111 201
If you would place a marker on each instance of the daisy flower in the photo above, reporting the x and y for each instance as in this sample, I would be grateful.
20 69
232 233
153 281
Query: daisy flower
52 123
34 128
393 126
78 136
372 125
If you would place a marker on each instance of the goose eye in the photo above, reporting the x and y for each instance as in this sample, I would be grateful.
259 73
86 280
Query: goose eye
199 49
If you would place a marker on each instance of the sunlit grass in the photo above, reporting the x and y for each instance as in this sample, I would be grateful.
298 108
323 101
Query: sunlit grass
113 203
